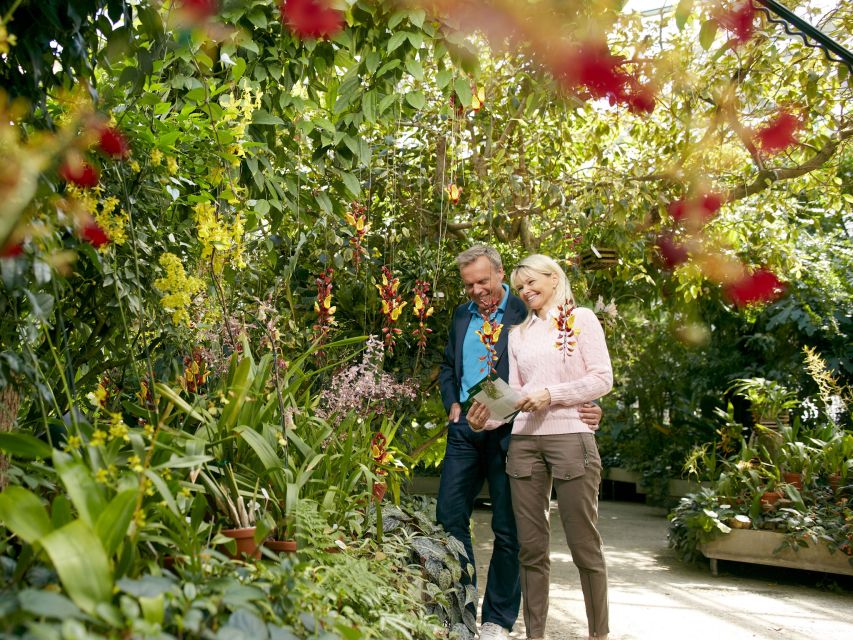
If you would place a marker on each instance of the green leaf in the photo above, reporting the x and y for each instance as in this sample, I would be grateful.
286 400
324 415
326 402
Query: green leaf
46 604
23 514
238 69
396 40
266 454
351 183
24 445
82 564
265 118
368 106
323 202
416 99
115 519
416 17
236 393
415 69
172 396
707 33
443 77
463 91
80 486
682 12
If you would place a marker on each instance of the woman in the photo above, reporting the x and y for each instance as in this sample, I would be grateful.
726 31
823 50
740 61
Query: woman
558 360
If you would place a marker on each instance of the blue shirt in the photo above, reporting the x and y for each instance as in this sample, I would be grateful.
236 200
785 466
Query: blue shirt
475 364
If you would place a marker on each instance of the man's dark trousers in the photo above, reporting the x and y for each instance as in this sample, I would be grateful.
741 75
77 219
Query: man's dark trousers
470 459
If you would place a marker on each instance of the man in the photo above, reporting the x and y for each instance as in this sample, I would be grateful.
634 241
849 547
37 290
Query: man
473 457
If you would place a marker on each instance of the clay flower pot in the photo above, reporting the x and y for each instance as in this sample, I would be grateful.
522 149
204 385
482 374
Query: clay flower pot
794 478
245 539
769 500
281 546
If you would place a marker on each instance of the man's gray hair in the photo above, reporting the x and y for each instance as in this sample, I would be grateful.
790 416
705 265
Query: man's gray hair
470 255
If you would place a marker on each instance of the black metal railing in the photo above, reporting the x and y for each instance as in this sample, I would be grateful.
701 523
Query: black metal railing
813 37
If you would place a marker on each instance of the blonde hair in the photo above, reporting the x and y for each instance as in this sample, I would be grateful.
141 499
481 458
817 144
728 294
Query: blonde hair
537 263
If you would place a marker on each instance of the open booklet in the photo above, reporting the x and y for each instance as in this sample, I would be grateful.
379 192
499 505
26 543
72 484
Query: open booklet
497 395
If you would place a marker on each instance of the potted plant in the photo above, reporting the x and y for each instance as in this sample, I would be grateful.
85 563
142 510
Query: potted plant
229 505
769 400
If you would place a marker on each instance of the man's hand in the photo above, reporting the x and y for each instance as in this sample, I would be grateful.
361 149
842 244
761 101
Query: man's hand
534 401
590 414
478 415
455 412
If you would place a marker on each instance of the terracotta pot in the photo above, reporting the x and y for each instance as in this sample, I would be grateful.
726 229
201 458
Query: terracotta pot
245 539
378 490
281 546
794 478
834 480
769 500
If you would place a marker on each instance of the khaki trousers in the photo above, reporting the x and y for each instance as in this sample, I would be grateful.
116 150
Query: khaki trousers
572 463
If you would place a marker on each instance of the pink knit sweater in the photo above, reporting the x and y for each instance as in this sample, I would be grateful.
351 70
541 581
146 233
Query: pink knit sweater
535 363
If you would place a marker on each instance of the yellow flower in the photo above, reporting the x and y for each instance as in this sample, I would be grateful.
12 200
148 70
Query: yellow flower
118 429
72 443
396 312
98 397
156 157
102 476
134 166
172 166
99 437
135 464
179 289
6 40
419 304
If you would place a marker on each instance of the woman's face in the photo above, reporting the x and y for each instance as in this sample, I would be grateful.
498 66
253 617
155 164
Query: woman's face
537 289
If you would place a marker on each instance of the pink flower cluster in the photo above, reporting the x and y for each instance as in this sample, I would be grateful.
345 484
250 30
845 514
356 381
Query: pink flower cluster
364 388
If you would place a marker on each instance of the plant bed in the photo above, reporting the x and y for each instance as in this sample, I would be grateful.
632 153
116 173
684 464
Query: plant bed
771 548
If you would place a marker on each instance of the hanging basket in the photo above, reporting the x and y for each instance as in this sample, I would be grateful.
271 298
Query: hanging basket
599 258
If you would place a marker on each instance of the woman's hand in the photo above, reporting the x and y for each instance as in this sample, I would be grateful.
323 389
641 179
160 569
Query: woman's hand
534 401
478 416
590 414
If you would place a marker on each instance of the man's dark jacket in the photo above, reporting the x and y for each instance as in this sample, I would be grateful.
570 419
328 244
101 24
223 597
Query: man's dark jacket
450 373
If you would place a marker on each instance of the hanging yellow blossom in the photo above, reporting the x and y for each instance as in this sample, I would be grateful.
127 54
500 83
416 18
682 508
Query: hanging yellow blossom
172 166
7 40
156 157
178 288
99 437
118 429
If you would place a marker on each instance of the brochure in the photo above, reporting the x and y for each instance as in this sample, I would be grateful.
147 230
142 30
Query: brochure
497 395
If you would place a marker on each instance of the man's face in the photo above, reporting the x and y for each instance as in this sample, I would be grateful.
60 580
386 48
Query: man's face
483 283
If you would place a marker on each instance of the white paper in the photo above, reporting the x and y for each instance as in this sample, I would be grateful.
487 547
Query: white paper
499 397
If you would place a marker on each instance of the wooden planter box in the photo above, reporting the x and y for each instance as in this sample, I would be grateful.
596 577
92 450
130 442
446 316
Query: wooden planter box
757 547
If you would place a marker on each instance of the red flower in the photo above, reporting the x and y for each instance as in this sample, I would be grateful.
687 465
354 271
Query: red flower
673 254
12 250
639 98
761 286
198 10
311 18
593 66
778 134
113 143
79 173
701 208
94 235
739 20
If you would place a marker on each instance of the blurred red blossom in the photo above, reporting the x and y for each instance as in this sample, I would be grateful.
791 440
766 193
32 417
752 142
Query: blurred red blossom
198 10
778 134
311 18
80 173
673 254
700 208
12 250
94 235
737 18
591 66
760 286
113 143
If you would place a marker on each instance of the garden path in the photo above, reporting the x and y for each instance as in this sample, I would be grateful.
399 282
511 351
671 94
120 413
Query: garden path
655 596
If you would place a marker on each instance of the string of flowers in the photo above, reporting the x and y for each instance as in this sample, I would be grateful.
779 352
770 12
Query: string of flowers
422 310
195 372
357 219
392 307
489 336
565 324
323 306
